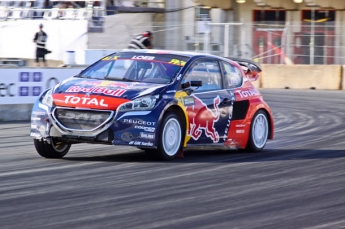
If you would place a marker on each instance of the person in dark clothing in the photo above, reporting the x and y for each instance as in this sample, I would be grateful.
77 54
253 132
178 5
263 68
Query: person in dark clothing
40 40
142 41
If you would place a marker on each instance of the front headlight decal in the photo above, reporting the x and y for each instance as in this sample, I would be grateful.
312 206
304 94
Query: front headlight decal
140 104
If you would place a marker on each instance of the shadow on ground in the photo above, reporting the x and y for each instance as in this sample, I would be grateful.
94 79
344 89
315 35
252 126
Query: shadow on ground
218 156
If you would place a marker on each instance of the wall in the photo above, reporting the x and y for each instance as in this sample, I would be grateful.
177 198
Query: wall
16 37
324 77
119 29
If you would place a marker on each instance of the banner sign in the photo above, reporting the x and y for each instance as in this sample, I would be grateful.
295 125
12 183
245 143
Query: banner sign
24 85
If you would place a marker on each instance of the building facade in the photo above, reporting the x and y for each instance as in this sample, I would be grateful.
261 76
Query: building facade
273 31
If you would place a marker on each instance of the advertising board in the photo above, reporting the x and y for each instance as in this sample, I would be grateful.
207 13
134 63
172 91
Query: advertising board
24 85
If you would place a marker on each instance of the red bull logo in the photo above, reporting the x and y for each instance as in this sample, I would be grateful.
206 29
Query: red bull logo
97 90
202 118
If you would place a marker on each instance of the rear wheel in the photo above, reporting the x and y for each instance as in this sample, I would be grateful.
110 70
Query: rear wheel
170 139
57 149
258 132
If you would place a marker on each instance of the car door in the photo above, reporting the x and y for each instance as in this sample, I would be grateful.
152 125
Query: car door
209 107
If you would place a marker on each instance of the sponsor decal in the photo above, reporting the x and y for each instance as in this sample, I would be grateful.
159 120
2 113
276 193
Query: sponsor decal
108 84
202 118
171 91
143 57
240 125
177 62
97 90
33 126
147 135
84 101
240 131
145 128
35 135
228 123
140 122
248 93
111 58
126 136
35 118
188 101
138 143
39 113
179 77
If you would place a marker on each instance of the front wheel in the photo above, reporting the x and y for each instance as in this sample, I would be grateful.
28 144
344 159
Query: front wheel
258 132
57 149
170 139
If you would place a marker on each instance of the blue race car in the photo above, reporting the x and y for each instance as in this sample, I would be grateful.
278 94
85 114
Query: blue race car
158 101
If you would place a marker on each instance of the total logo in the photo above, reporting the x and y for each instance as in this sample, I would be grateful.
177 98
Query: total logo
84 100
247 93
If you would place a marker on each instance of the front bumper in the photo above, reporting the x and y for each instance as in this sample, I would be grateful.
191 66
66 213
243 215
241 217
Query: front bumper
134 128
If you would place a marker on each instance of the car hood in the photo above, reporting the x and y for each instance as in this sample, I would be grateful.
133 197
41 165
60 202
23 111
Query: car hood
100 94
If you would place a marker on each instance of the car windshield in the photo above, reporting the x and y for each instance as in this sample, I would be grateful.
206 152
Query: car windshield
137 67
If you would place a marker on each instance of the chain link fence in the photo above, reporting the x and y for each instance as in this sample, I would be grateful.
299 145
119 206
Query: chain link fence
290 43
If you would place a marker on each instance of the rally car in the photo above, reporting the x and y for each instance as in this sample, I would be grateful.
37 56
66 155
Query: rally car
156 100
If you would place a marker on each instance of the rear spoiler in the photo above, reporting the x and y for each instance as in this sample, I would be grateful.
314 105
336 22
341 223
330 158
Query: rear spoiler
251 65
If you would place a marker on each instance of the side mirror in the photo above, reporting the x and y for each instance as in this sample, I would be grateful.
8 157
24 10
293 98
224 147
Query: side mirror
187 86
193 83
196 83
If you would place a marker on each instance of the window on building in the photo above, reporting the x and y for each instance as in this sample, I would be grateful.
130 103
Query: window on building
269 16
202 18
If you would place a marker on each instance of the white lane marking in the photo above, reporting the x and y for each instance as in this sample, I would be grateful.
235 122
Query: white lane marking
338 224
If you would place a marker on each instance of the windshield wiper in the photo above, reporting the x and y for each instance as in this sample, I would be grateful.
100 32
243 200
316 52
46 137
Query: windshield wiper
128 80
120 79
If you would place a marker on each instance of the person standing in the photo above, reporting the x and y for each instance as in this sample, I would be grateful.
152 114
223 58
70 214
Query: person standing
141 41
40 40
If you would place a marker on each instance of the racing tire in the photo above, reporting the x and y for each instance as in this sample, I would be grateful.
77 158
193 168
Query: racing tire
258 133
170 139
57 149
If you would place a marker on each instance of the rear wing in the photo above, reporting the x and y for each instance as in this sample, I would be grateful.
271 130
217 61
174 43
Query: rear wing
252 69
251 65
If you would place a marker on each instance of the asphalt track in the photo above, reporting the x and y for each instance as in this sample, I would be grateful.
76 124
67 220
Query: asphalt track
297 182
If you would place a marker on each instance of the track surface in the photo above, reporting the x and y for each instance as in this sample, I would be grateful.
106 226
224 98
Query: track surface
297 182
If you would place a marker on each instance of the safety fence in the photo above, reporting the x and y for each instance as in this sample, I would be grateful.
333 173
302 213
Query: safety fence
290 43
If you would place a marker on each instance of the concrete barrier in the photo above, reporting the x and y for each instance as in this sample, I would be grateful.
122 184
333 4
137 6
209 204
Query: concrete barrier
343 78
302 76
15 112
